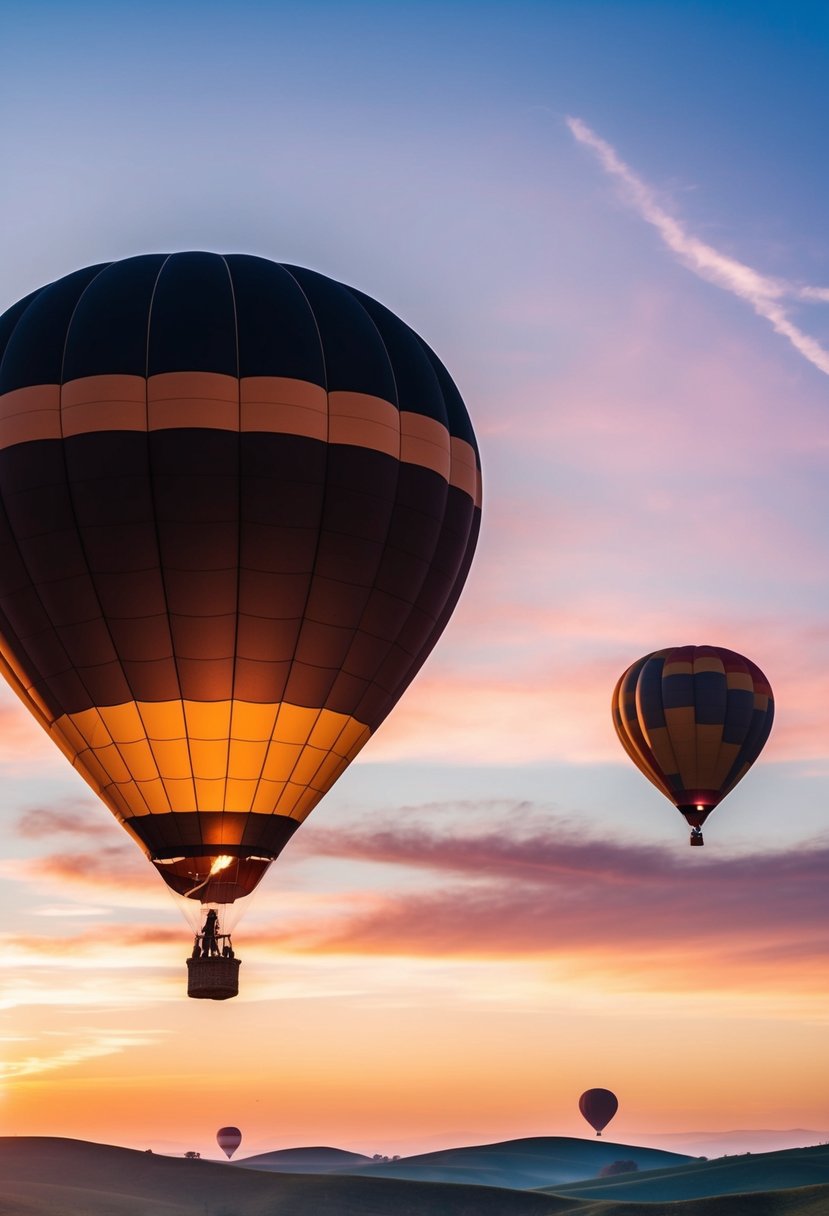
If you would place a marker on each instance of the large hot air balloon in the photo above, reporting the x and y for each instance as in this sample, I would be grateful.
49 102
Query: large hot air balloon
598 1107
228 1140
693 719
238 503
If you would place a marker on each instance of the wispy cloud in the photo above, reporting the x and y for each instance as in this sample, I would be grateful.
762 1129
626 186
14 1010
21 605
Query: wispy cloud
89 1045
652 918
72 817
768 296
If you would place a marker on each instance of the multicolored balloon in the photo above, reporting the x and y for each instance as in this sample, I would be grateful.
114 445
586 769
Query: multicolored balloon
693 719
228 1140
238 503
598 1107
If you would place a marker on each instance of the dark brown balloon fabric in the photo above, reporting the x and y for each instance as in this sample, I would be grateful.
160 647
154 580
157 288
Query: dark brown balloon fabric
238 503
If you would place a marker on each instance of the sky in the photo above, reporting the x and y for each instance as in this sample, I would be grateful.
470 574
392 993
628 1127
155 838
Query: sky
608 219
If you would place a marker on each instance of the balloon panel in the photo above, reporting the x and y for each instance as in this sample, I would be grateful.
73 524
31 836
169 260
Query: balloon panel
238 502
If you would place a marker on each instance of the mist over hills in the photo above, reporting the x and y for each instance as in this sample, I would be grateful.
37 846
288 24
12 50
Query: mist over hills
747 1140
538 1161
55 1177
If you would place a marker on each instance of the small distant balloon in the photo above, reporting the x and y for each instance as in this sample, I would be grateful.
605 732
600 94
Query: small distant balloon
228 1140
598 1107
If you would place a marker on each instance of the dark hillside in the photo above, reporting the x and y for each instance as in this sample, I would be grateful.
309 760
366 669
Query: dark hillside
55 1177
805 1167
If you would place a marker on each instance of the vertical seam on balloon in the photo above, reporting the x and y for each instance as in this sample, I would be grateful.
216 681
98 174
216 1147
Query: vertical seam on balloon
716 765
238 551
34 667
391 516
732 777
419 657
669 732
640 752
300 289
643 725
74 516
157 534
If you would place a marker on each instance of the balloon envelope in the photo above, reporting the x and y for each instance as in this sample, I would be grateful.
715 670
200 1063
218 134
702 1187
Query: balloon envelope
228 1140
598 1107
238 503
693 719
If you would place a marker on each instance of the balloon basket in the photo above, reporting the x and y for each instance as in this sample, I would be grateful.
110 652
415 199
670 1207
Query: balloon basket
213 979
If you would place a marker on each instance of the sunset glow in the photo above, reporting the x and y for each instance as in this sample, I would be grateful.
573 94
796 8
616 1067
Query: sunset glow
614 238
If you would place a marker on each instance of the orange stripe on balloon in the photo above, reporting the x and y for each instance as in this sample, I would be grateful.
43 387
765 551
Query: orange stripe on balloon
264 404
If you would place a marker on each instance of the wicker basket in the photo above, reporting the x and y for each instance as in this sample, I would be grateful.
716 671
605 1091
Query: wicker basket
213 979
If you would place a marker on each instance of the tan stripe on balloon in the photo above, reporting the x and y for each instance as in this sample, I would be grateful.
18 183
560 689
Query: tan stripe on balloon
267 404
94 403
708 662
30 413
360 420
677 667
465 473
284 405
193 399
708 740
642 762
425 441
297 756
728 754
739 680
681 724
659 742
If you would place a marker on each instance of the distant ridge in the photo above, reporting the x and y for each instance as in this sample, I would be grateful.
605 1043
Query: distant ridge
740 1140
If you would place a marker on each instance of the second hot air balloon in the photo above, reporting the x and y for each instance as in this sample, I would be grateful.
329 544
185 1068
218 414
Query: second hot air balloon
228 1140
598 1106
238 503
693 719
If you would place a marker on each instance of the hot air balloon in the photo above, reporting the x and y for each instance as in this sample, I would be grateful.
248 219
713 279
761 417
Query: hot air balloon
693 719
228 1140
598 1107
238 504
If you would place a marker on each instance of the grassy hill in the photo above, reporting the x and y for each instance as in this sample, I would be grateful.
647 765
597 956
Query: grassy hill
805 1167
42 1176
56 1177
317 1160
534 1162
802 1201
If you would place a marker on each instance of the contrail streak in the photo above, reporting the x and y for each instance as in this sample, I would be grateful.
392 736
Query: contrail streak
766 295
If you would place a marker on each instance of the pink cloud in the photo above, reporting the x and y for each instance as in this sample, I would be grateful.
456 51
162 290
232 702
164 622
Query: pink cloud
547 893
71 817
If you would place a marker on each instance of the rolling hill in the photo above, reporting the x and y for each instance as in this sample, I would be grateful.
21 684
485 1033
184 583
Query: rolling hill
57 1177
763 1172
42 1176
317 1160
531 1163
